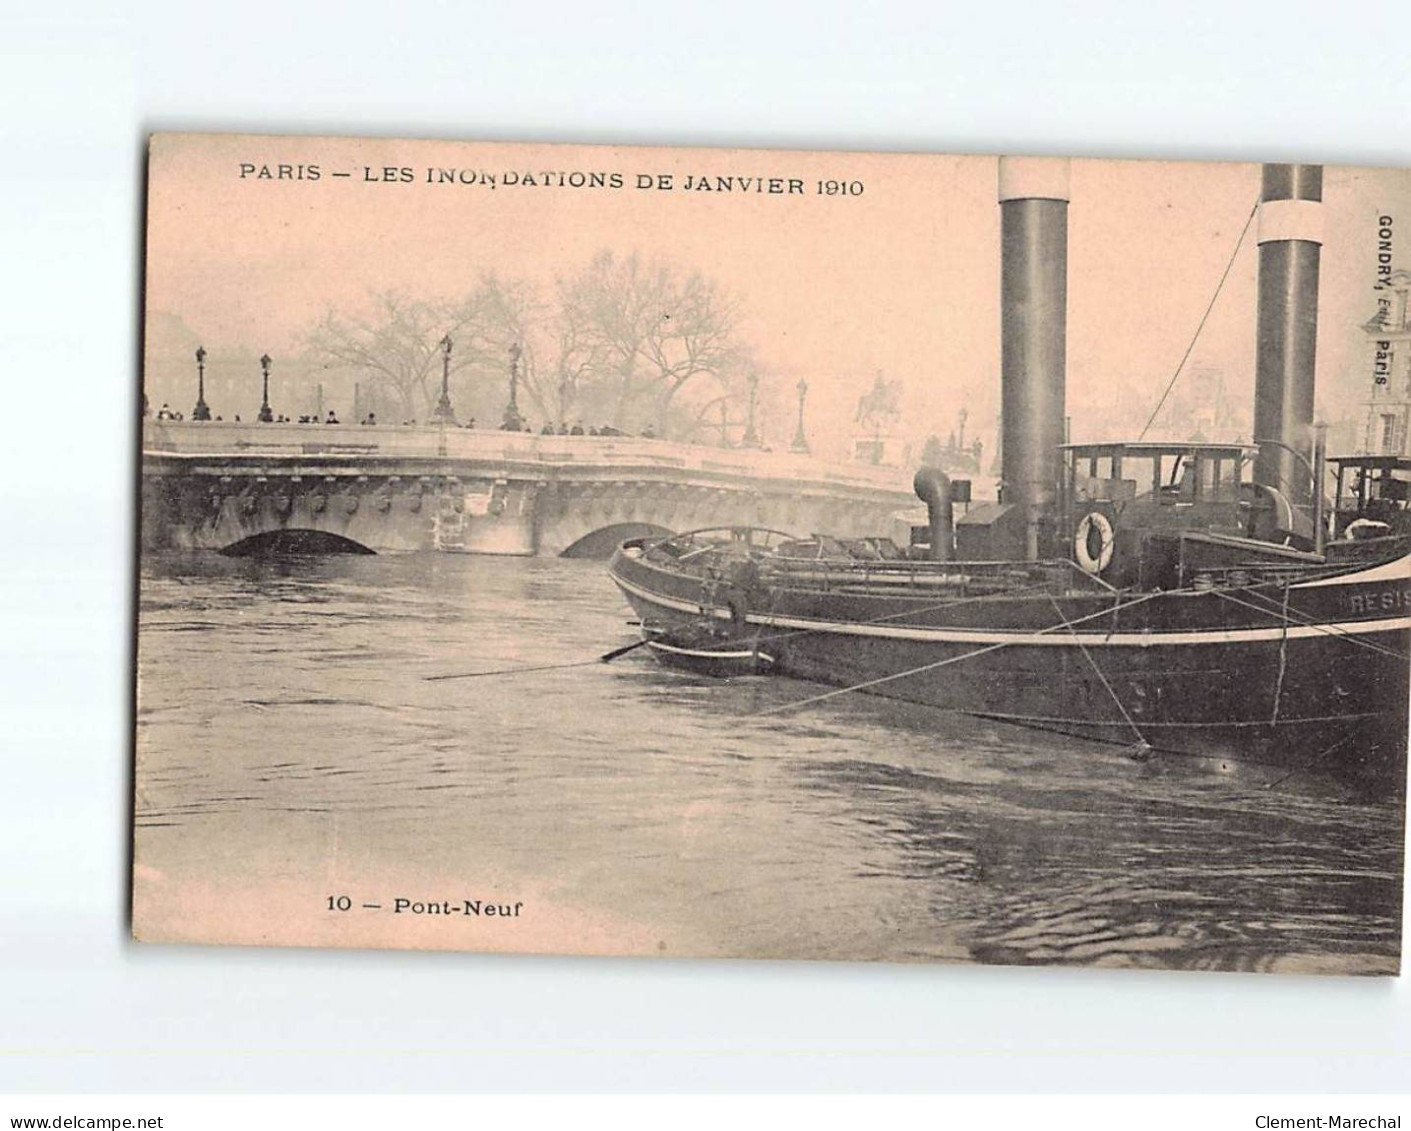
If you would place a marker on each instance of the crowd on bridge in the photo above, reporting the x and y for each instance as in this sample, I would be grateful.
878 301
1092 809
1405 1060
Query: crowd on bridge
647 433
370 420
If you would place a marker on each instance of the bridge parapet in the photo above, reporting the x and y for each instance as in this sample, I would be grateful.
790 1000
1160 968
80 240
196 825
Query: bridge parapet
218 485
243 440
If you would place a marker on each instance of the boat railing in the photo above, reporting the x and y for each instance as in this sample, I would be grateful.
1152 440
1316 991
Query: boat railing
1058 577
721 560
725 539
720 552
1263 575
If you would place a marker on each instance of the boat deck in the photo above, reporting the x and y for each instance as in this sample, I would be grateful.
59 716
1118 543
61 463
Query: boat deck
752 566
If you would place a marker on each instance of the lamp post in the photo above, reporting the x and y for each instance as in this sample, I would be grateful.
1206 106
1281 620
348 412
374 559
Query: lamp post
202 410
801 440
266 416
513 421
751 437
444 414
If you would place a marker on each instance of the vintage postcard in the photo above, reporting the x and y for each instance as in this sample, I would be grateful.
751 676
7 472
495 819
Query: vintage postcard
722 553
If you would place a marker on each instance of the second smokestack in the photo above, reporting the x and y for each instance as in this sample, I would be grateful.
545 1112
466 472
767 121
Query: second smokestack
1290 248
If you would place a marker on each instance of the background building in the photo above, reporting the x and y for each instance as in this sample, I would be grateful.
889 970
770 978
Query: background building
1389 370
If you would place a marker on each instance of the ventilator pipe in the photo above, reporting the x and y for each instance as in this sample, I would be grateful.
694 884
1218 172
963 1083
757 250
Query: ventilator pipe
933 487
1320 464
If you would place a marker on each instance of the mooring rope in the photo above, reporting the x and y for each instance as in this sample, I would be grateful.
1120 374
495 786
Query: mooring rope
1141 738
1283 656
757 641
1343 741
1203 318
922 611
933 665
606 657
1304 621
524 669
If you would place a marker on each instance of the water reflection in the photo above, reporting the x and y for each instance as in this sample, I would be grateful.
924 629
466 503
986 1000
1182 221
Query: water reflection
286 702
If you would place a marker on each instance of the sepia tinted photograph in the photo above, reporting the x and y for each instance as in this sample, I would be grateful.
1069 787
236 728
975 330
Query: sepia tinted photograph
773 554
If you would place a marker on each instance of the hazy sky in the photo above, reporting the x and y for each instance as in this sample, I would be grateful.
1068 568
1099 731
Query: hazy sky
903 278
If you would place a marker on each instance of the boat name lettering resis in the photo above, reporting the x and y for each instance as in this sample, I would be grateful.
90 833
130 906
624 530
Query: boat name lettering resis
1385 601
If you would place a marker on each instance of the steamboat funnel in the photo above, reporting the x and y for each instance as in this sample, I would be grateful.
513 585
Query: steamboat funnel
1290 246
1033 197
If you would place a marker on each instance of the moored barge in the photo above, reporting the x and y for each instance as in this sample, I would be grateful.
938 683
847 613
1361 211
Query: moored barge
1194 598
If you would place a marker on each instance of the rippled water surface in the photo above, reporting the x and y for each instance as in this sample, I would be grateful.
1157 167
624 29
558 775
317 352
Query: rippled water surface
292 750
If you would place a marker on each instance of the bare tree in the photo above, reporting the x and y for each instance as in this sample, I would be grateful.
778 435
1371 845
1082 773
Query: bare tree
397 346
577 358
622 340
497 315
646 331
556 356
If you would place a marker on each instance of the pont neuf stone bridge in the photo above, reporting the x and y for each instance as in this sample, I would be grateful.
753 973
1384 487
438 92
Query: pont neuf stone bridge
241 487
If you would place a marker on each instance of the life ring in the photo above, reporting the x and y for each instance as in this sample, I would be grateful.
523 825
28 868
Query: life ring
1082 538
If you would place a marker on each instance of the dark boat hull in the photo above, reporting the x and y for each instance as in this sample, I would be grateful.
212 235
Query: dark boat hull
1303 676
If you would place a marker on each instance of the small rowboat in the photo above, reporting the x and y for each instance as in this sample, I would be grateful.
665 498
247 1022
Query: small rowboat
706 650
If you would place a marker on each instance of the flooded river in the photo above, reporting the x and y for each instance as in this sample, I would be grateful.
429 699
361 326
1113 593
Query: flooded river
302 781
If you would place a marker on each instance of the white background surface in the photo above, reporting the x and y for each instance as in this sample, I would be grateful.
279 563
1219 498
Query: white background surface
80 85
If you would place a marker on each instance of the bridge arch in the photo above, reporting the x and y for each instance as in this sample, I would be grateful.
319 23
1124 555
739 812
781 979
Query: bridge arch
217 486
599 544
294 541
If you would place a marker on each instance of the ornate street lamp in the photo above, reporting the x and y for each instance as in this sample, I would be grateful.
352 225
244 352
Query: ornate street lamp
202 410
751 437
800 439
266 416
444 413
513 421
